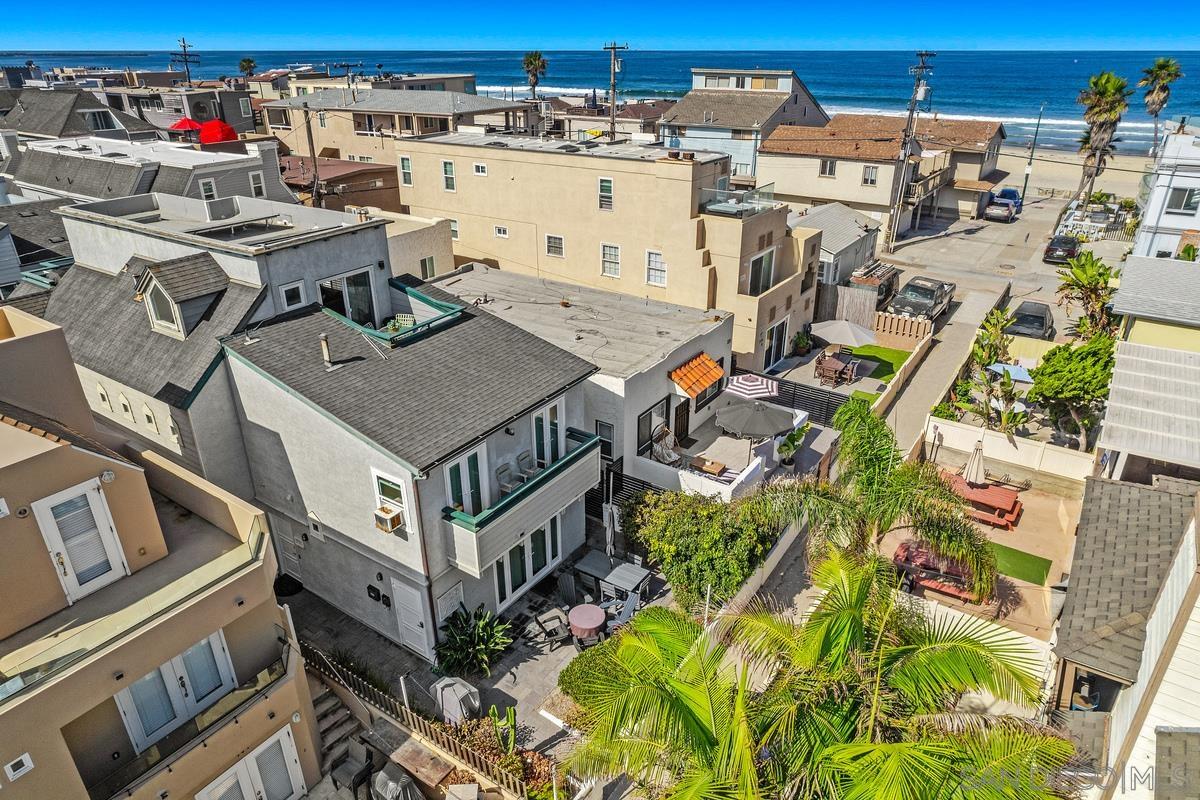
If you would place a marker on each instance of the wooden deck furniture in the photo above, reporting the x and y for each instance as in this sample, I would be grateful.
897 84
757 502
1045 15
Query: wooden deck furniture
993 505
931 574
834 369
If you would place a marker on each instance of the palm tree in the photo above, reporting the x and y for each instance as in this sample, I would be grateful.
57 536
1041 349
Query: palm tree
1086 281
247 66
535 66
876 493
1095 159
857 701
1104 100
1157 80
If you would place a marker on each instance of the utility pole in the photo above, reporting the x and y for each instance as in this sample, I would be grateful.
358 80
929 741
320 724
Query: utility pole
918 71
1032 149
312 153
346 66
614 66
186 59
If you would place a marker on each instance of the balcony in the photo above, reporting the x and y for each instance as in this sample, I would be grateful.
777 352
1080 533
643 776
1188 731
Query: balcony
177 744
480 539
738 204
925 185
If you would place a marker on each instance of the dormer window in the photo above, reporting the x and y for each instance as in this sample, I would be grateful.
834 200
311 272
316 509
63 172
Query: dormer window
100 121
163 312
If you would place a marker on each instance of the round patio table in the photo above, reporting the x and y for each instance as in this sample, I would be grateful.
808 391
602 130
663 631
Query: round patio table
586 620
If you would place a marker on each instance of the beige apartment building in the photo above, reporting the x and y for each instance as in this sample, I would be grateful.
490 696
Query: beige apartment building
637 219
303 83
142 652
856 160
363 124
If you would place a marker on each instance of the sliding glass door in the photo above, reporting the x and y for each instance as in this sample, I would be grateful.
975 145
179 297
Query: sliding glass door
350 295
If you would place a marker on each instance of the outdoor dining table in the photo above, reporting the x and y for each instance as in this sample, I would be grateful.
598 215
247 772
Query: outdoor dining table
624 576
586 620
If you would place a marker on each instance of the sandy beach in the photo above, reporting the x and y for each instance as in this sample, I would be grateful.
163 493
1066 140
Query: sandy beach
1059 169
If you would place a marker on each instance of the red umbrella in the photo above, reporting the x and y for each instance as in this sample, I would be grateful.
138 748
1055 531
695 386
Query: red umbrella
186 124
216 130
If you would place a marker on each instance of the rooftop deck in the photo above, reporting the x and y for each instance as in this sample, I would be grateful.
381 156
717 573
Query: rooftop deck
199 554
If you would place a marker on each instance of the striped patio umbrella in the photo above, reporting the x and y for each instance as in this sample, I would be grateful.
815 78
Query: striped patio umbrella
752 387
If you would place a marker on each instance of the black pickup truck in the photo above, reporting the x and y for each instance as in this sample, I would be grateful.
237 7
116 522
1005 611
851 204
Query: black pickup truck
923 297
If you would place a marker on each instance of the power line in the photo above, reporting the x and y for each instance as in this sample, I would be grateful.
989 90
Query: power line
919 91
614 66
186 59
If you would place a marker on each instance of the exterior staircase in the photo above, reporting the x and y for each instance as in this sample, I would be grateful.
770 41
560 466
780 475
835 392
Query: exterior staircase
336 724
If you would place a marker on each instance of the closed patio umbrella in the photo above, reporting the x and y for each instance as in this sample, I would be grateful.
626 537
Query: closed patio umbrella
841 331
974 472
754 419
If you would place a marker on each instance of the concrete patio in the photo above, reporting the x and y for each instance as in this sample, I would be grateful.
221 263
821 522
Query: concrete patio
802 370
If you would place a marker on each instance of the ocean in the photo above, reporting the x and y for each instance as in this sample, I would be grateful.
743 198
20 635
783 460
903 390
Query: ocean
1005 85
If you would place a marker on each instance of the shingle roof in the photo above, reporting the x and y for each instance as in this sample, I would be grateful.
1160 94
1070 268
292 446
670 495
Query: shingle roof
840 225
877 137
189 276
109 332
1088 731
8 99
1125 542
1176 763
33 227
1154 404
30 302
432 396
52 430
399 101
93 177
171 180
57 113
725 108
1159 288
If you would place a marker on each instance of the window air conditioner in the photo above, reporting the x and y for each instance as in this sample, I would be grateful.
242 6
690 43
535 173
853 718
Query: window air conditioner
389 519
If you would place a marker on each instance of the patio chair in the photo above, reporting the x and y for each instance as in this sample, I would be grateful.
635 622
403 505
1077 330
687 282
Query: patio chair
555 630
353 768
587 641
607 592
627 612
504 479
566 589
635 559
526 465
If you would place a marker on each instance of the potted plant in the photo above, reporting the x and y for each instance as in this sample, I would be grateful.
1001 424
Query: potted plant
801 343
791 443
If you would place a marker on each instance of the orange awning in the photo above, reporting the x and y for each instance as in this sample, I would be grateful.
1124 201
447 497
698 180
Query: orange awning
697 374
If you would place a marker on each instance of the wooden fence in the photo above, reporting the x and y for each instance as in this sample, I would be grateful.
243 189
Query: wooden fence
396 712
900 332
854 303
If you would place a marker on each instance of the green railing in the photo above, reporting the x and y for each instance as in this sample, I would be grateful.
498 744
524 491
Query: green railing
395 338
583 442
188 736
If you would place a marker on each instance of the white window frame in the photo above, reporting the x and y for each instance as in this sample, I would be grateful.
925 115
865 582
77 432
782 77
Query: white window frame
102 393
832 173
345 291
175 325
380 500
870 175
485 488
98 503
480 169
258 189
1186 193
250 780
770 251
600 194
175 678
211 184
148 418
497 230
366 159
454 229
604 261
562 245
558 403
610 440
126 407
26 764
449 179
432 268
246 107
663 261
406 172
283 289
501 566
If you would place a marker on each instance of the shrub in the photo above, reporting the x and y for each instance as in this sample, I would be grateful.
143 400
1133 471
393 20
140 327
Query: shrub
575 679
473 640
701 541
944 410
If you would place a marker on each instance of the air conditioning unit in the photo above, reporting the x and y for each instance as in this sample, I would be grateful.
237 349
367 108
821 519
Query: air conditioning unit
389 519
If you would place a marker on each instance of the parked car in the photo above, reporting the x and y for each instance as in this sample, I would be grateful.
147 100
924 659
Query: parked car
883 277
1061 250
923 297
1000 210
1013 195
1032 319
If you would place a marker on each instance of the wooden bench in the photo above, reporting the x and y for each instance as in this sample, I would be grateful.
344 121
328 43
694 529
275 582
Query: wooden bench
934 584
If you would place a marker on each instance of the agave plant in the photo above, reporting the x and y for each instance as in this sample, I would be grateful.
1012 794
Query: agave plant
472 640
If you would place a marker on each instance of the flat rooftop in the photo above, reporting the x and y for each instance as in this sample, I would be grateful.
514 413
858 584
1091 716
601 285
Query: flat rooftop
175 154
247 223
624 150
621 334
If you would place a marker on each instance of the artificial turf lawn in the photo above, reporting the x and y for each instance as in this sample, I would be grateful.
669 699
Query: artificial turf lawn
1021 565
858 394
887 360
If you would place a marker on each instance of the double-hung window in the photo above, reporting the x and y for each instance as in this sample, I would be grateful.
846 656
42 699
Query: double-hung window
465 482
427 268
656 268
606 194
610 260
208 189
166 697
607 434
406 171
448 177
554 245
454 229
828 168
870 175
1183 201
762 272
257 187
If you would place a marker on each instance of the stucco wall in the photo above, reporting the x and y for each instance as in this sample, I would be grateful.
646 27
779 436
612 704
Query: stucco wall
1164 334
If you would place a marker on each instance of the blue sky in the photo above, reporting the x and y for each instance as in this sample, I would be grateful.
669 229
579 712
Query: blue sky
700 24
